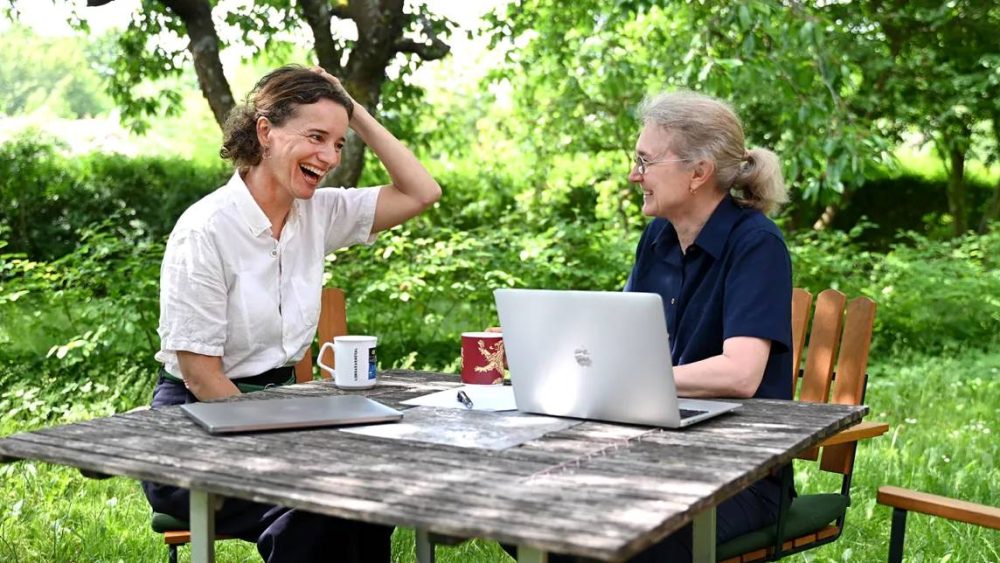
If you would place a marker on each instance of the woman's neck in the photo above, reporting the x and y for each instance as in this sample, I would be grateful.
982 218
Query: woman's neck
690 221
273 201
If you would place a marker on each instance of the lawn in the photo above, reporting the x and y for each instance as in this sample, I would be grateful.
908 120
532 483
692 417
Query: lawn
943 413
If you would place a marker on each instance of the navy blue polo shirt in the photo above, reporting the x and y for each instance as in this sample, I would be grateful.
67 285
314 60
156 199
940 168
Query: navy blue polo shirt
734 280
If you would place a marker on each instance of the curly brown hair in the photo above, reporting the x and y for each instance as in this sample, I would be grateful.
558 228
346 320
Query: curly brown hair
276 96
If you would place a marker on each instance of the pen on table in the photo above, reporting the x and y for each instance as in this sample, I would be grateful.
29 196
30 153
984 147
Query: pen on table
464 399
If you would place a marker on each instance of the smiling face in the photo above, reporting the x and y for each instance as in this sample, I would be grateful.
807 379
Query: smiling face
304 148
665 185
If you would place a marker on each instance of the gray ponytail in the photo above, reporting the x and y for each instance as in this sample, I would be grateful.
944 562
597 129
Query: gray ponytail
759 183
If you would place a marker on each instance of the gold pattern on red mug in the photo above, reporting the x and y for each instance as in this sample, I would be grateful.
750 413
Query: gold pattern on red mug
482 358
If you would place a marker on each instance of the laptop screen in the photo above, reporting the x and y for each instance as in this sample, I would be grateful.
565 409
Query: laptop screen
589 354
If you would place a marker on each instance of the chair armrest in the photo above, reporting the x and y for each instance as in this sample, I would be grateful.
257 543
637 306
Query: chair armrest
935 505
859 431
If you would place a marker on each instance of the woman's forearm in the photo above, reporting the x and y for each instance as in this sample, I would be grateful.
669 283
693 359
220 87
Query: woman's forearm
737 372
413 189
203 376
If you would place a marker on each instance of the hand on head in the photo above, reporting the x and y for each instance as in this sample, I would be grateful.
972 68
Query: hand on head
333 80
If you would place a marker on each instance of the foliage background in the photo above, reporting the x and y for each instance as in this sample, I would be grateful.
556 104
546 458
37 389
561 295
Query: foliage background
532 160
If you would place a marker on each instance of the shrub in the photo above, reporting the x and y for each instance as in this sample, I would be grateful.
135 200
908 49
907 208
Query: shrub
47 198
422 285
79 331
907 202
933 296
939 296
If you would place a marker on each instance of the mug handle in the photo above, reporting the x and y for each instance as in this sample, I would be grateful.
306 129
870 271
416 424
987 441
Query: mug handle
319 358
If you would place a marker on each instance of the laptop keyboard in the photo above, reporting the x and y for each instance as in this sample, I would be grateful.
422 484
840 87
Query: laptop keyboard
688 413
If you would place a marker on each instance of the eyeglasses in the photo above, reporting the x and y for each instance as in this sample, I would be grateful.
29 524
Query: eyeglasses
641 164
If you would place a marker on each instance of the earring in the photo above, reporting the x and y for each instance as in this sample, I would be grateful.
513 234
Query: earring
266 153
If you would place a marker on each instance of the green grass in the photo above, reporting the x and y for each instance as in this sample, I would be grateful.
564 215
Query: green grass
943 414
926 163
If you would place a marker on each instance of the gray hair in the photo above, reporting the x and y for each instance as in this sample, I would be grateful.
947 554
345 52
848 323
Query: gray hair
704 128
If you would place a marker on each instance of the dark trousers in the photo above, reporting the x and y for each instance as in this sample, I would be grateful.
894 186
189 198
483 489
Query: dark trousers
281 534
749 510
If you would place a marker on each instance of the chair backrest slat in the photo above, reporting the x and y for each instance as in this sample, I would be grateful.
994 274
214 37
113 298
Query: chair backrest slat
801 305
332 322
333 315
852 362
827 323
852 366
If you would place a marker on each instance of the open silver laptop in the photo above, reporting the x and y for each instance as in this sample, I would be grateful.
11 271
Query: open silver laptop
595 355
283 414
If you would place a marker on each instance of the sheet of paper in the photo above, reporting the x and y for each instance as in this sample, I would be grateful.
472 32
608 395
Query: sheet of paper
466 429
484 398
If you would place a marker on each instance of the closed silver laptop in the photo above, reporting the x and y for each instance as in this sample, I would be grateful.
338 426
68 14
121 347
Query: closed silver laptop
594 355
254 415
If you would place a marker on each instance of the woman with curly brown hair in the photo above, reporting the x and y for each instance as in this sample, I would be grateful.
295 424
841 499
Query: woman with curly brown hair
243 272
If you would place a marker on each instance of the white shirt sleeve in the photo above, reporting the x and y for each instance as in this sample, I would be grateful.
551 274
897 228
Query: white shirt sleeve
350 215
193 296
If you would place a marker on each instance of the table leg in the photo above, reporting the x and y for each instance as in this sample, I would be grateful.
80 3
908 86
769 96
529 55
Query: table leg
527 554
703 542
202 522
425 549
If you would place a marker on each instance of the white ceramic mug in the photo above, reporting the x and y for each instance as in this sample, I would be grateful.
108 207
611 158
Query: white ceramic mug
354 357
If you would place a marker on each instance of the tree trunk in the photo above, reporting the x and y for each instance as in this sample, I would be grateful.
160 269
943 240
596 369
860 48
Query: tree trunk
992 210
825 218
956 189
318 14
352 163
204 48
380 25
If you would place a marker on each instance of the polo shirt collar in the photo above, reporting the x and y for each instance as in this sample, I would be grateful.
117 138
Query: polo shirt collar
251 213
713 236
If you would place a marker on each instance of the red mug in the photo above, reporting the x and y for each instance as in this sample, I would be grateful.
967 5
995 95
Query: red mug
482 358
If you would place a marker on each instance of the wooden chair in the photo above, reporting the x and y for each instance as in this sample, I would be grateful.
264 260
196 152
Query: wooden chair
903 500
812 520
332 322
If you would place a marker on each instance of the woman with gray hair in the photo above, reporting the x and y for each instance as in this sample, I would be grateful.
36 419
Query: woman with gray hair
723 271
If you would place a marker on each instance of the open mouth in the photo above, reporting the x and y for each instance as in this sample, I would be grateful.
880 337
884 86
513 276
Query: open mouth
312 174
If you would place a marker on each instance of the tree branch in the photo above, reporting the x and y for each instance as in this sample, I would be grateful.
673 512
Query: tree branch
432 51
317 14
341 11
204 48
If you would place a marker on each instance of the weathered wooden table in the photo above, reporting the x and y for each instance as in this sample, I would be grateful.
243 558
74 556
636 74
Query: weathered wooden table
599 490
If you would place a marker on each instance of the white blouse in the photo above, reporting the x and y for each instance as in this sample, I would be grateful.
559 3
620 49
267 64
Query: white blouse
229 289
